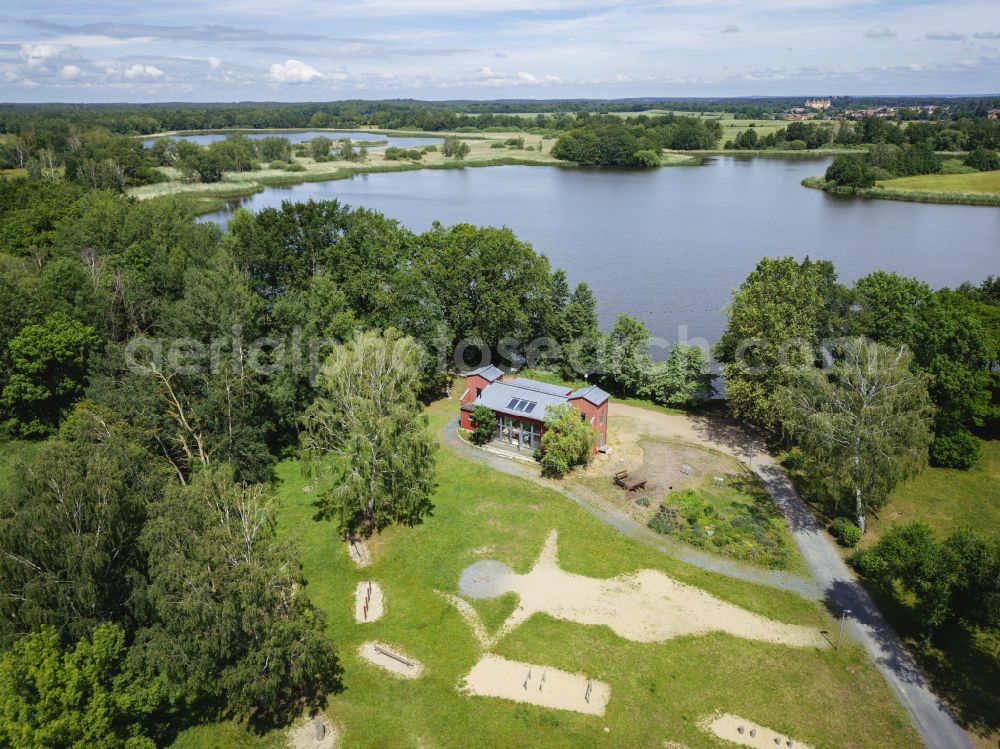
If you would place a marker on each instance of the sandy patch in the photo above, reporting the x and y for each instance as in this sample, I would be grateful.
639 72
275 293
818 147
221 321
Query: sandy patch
303 735
358 550
494 676
747 733
645 606
369 602
391 660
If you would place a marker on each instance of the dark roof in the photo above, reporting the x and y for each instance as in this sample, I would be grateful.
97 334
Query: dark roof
513 400
487 372
591 393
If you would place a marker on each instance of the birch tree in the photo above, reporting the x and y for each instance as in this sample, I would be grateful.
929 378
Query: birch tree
865 425
368 431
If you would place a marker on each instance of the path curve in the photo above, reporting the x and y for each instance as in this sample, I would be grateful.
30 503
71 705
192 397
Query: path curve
833 582
625 525
841 589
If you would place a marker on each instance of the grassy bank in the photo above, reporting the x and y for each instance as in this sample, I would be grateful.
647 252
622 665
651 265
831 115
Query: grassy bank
659 690
930 188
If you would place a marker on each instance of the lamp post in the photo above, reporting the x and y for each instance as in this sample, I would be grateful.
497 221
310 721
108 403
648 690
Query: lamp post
840 634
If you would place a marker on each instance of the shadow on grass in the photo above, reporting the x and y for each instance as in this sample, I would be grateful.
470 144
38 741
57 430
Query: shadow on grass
961 662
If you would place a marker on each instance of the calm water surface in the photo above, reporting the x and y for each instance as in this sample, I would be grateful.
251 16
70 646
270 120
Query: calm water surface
668 245
400 142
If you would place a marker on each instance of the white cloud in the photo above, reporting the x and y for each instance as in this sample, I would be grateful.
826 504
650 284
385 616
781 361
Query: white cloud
293 71
70 72
878 31
215 62
527 77
143 72
38 55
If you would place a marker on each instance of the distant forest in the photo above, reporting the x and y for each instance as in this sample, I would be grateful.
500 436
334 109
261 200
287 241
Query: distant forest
138 119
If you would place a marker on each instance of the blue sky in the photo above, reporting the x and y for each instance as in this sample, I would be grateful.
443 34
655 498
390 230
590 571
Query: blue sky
297 50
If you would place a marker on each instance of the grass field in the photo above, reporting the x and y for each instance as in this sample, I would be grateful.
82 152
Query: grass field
659 691
974 182
963 662
885 191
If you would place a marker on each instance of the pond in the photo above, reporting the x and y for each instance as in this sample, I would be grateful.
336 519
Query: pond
668 245
299 137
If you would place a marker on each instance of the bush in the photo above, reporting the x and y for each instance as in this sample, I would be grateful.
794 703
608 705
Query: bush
846 532
647 158
277 165
849 171
983 160
485 425
796 145
296 167
497 144
568 442
956 450
795 460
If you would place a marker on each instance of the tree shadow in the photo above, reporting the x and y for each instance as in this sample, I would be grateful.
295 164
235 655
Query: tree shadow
960 666
743 441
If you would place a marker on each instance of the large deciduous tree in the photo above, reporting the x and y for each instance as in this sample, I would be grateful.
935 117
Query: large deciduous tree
228 614
568 440
774 317
48 368
865 425
367 427
69 555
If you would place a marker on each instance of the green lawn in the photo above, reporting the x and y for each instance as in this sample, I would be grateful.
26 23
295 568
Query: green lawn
963 662
659 691
948 499
975 182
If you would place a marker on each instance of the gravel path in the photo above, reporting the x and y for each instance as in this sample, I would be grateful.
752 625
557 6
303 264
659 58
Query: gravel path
841 589
833 582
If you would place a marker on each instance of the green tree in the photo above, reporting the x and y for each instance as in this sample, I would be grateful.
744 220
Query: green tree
485 425
85 696
568 440
983 159
229 618
910 556
774 317
454 147
368 429
48 372
865 425
69 524
627 364
849 171
319 147
683 379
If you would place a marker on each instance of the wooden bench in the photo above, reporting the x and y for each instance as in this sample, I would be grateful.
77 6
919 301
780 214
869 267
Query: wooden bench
628 484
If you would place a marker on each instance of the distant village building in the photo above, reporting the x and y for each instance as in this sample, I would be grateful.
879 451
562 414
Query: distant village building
818 103
520 404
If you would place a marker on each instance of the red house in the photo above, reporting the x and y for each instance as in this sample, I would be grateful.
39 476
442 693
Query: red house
520 406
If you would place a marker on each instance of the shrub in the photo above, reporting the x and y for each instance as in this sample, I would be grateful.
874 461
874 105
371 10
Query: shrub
567 442
846 532
497 144
796 145
956 450
849 171
647 158
795 460
277 165
983 160
642 501
485 425
296 167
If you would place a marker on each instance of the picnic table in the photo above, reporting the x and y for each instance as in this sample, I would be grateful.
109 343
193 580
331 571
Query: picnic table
628 483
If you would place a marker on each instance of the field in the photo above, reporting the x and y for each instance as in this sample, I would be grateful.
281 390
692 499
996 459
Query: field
974 182
660 691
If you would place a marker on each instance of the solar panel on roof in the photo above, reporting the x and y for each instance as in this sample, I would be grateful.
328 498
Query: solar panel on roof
512 403
530 407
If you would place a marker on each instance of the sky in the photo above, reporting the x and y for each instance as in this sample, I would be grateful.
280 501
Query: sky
303 50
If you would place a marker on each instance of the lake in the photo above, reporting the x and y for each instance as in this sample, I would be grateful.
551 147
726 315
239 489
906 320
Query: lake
668 245
400 142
